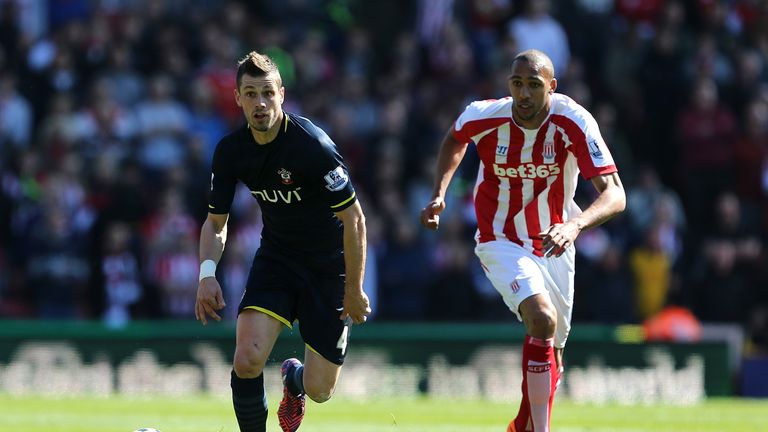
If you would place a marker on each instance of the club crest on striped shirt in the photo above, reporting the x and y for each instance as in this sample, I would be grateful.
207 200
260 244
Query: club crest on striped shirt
285 176
549 151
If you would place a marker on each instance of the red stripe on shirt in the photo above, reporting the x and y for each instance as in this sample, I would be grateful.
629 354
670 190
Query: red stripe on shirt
532 218
556 198
516 142
487 197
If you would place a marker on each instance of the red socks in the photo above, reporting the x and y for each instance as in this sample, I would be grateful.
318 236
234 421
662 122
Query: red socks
540 376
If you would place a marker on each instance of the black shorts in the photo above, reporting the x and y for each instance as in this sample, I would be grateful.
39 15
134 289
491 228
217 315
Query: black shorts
309 290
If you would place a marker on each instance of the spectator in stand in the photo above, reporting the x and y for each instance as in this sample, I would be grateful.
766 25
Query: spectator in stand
205 122
751 73
661 85
452 293
644 12
10 31
709 60
162 121
58 129
120 275
616 289
644 199
127 199
728 262
15 115
56 265
706 131
537 29
485 18
403 281
751 156
216 71
169 221
170 237
103 125
359 56
120 73
651 269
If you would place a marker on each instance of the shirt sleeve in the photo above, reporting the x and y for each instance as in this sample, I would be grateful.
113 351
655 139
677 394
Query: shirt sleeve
223 180
478 117
334 177
459 131
592 154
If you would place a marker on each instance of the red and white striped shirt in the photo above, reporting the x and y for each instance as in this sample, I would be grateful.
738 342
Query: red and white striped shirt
527 178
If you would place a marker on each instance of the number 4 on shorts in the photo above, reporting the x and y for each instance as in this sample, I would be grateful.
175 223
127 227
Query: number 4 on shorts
343 339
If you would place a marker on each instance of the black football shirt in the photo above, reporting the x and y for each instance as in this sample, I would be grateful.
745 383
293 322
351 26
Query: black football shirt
299 180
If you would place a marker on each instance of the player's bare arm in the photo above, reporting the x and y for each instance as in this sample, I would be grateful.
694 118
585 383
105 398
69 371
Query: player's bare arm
356 304
610 202
213 237
448 159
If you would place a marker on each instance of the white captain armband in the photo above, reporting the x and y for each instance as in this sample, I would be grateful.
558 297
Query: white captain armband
207 269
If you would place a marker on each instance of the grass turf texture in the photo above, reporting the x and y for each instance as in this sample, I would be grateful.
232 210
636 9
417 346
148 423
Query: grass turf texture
197 414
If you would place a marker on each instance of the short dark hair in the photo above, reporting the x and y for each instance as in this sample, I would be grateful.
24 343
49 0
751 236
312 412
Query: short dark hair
256 64
537 59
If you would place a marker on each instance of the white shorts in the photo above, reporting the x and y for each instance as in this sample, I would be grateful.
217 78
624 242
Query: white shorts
517 274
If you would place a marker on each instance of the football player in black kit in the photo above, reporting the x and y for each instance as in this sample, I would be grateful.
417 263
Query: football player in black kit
309 267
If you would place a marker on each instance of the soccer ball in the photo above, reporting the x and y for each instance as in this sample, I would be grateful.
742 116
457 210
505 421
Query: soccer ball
146 430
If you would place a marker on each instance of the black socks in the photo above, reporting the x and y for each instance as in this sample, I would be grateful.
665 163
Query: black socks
250 403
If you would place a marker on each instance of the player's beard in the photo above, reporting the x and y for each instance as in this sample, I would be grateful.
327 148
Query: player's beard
533 113
260 128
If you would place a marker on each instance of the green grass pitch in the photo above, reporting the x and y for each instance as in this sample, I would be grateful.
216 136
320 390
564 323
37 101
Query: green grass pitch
200 414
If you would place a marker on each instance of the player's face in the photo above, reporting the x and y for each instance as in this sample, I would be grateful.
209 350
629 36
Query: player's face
261 100
530 89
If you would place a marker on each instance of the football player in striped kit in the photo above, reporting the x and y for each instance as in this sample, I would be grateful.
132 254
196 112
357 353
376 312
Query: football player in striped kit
532 146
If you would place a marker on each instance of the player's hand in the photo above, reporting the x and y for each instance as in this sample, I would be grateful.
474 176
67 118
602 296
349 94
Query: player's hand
356 307
209 300
559 237
430 215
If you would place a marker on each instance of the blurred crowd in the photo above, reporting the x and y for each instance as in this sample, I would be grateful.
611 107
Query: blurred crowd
110 111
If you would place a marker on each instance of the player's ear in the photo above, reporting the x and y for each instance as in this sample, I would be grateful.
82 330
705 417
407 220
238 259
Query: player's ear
237 98
552 86
282 94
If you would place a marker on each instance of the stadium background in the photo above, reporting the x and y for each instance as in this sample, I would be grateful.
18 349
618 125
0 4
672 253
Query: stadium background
110 111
